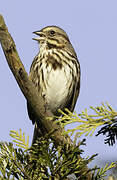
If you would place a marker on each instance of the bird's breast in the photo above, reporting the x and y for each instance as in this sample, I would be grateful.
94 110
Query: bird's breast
54 75
57 86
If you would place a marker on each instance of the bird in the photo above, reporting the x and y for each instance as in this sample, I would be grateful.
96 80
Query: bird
55 72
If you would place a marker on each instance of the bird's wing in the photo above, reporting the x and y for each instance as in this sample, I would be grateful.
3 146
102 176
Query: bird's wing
75 95
76 88
32 77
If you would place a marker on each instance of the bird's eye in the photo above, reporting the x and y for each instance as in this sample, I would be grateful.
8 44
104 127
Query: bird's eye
52 33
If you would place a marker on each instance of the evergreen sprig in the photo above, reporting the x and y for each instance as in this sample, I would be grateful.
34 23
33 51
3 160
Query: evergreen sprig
20 139
103 115
100 173
12 162
44 161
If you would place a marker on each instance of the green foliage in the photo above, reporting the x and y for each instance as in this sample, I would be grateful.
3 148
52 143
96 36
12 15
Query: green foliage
101 172
44 160
11 161
104 115
50 162
20 139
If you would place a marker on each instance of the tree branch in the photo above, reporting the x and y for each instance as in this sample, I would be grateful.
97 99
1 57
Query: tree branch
28 88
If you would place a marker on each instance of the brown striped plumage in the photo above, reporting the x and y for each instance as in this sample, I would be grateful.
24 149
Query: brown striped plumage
55 71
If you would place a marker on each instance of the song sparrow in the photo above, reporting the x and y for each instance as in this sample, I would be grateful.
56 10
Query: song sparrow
55 72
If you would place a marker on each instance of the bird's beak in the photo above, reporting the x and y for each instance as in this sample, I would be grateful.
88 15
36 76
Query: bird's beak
40 34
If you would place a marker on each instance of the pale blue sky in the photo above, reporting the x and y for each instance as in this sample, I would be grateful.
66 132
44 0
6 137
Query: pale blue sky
92 28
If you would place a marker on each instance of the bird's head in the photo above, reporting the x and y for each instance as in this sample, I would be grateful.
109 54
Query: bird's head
52 36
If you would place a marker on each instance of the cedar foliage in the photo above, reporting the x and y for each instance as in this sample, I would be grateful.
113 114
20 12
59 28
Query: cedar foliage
44 160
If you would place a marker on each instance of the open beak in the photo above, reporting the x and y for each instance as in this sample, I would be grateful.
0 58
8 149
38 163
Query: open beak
40 34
